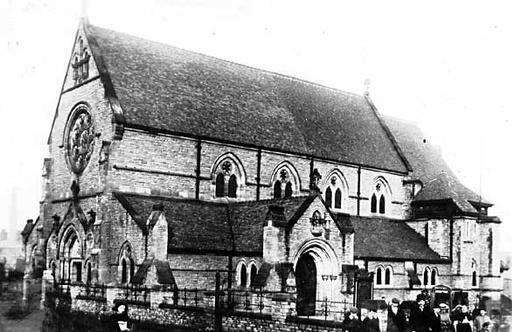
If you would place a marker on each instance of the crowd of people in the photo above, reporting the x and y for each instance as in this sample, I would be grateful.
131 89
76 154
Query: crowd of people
419 318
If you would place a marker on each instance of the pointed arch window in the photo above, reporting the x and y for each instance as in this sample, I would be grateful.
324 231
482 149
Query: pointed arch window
387 276
253 273
219 185
382 205
288 191
243 276
80 63
474 281
232 186
425 276
374 204
378 278
277 189
328 196
124 272
433 277
337 199
132 269
89 273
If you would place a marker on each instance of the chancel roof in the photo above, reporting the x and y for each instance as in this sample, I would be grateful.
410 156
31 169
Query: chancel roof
165 88
429 166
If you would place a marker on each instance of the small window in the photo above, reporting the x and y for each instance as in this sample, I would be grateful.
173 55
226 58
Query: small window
219 185
288 191
89 273
132 269
337 199
474 281
433 277
378 279
382 205
328 197
254 272
277 189
243 276
124 271
232 186
387 276
425 277
374 204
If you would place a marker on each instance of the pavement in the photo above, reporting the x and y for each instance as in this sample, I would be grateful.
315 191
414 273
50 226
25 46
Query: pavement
31 322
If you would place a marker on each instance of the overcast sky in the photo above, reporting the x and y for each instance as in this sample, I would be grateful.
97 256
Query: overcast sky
446 65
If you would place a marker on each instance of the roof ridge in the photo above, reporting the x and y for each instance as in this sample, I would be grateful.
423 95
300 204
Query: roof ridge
289 77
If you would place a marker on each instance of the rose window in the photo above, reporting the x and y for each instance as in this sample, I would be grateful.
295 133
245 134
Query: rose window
80 140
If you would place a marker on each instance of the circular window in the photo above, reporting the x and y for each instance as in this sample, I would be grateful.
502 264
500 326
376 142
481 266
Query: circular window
80 139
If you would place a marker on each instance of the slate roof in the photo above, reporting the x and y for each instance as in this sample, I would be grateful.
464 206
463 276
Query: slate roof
210 226
439 181
389 239
165 88
163 272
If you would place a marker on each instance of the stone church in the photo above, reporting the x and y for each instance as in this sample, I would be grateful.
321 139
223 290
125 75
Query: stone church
166 166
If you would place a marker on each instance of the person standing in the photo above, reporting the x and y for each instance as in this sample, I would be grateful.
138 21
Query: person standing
371 322
462 320
396 317
444 316
420 317
482 321
352 323
435 320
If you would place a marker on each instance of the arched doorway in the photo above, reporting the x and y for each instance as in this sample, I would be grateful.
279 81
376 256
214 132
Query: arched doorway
305 276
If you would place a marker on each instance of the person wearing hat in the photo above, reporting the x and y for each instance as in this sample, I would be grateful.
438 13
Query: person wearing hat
371 321
462 320
482 321
352 323
420 316
396 317
435 319
444 317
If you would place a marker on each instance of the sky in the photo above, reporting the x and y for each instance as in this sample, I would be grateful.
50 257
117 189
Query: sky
445 65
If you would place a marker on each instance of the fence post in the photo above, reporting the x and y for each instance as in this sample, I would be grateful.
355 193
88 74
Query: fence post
217 312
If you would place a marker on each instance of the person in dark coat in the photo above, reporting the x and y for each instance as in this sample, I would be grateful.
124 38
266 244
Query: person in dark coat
462 319
396 317
420 317
352 323
371 322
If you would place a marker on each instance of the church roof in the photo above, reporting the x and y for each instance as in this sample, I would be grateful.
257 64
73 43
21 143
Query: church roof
381 238
168 89
439 181
209 226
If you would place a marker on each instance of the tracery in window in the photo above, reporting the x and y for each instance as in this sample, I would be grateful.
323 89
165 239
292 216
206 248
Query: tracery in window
380 195
228 176
335 185
284 181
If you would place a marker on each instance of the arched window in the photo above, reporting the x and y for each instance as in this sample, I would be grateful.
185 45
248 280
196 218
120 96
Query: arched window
89 273
474 281
124 272
277 189
328 197
382 205
284 180
374 204
337 199
433 277
243 276
425 276
219 185
288 191
387 276
232 186
132 269
253 273
378 278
